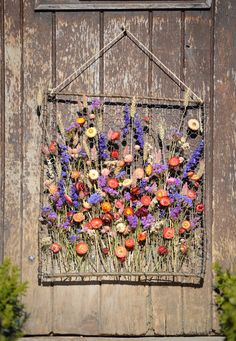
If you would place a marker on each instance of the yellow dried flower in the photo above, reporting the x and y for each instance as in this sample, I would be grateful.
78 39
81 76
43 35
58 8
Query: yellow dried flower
91 132
193 124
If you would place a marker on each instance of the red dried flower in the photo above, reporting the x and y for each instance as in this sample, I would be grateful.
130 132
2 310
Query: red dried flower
162 250
200 208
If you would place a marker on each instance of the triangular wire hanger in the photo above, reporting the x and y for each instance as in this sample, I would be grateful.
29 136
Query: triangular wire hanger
124 33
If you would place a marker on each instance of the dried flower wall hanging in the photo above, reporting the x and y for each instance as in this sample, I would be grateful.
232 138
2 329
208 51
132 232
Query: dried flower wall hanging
124 191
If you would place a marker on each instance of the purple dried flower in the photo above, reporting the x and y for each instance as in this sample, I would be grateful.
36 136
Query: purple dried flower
175 211
147 221
74 196
66 225
174 182
110 191
102 181
139 131
102 146
133 221
180 198
194 159
127 121
159 168
95 103
65 159
73 126
52 216
119 175
127 196
45 211
94 198
72 238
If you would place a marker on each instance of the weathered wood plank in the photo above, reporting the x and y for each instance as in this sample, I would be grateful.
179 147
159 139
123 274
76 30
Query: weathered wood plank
123 309
197 301
77 39
48 5
224 175
37 76
2 128
166 44
13 131
125 72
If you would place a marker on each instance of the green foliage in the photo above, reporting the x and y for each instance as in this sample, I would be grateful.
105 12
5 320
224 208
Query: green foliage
12 313
225 288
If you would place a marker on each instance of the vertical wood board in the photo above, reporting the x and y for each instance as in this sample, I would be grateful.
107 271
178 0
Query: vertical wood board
77 39
197 301
166 45
37 77
13 131
125 72
224 138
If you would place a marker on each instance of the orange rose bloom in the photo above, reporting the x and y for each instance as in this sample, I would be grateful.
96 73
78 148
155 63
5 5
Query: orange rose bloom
120 252
161 193
129 244
106 207
186 225
168 232
165 201
52 147
78 217
128 211
96 223
75 174
113 183
142 236
146 200
174 161
81 248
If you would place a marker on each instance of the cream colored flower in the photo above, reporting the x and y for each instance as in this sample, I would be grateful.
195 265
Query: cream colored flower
127 183
138 173
193 124
91 132
121 227
93 174
86 205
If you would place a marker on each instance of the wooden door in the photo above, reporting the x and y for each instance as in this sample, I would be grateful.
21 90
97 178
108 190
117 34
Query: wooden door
38 50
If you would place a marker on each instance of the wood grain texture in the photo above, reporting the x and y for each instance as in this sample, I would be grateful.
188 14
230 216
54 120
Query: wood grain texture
166 44
124 307
224 148
13 131
37 77
197 301
60 5
77 39
224 135
2 128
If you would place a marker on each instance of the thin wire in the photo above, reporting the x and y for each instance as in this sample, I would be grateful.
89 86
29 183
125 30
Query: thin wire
75 73
124 32
162 65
